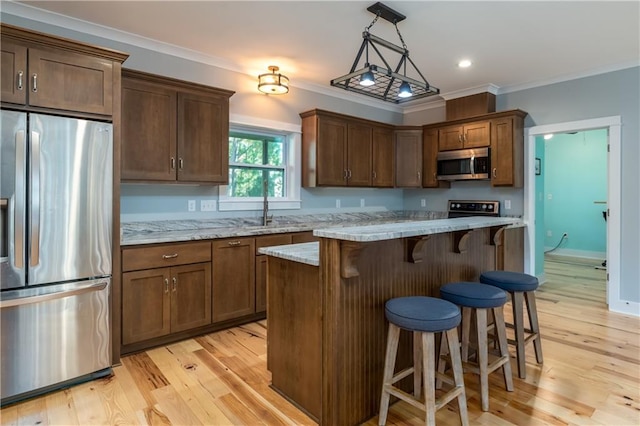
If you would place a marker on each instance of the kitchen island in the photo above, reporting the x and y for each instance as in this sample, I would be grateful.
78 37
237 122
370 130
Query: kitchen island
327 328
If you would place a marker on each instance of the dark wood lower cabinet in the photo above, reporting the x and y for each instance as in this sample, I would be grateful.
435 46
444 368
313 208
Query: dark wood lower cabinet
234 278
157 302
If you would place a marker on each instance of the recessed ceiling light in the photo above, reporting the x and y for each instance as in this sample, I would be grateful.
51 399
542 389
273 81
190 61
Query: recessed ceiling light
465 63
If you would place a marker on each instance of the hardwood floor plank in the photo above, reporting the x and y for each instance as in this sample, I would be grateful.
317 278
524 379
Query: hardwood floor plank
33 412
88 403
171 404
146 375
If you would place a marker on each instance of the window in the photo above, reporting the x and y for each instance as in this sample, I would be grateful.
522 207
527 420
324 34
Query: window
261 159
256 162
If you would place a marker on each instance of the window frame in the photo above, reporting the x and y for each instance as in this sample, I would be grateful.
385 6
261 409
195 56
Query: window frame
292 166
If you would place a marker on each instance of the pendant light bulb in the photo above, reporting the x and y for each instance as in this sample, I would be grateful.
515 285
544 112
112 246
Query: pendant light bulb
367 79
405 90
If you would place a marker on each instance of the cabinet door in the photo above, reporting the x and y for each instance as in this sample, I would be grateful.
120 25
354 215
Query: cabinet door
429 158
502 152
450 137
332 152
233 278
476 135
382 155
358 154
203 138
13 68
190 296
148 131
145 305
70 81
408 158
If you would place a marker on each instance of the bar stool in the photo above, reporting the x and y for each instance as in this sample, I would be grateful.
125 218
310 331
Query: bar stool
522 288
424 316
481 298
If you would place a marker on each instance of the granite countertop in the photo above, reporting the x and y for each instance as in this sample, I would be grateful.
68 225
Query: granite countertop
391 231
167 231
308 253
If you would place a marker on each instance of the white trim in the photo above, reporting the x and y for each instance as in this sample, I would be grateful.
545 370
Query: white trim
491 88
292 170
584 254
614 227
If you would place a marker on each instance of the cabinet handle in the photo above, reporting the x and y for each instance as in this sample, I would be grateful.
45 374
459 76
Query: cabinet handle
170 256
349 177
166 285
20 73
346 174
173 163
464 137
35 82
495 172
180 163
459 137
375 175
419 175
234 243
174 280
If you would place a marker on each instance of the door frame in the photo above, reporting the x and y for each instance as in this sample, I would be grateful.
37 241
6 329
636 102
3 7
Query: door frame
614 229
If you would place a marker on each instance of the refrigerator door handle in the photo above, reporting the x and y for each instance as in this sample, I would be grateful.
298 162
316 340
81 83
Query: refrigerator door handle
18 217
93 286
34 200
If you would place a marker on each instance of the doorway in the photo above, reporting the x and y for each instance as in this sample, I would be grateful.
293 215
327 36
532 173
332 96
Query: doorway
532 255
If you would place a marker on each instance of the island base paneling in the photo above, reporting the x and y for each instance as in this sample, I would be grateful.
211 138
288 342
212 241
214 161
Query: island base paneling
352 320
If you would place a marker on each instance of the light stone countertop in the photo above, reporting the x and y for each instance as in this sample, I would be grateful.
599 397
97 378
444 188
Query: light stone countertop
391 231
308 253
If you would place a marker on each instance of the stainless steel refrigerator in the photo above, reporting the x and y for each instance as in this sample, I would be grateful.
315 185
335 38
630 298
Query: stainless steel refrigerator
55 252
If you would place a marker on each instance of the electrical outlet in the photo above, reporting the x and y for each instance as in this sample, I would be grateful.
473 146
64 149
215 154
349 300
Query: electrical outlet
192 205
337 203
207 205
507 204
423 203
549 196
549 233
361 202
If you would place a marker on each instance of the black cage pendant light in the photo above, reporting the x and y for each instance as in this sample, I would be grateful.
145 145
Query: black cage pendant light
382 81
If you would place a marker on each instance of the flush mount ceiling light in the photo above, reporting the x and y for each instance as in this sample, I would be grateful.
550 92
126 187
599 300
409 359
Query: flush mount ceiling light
272 83
382 81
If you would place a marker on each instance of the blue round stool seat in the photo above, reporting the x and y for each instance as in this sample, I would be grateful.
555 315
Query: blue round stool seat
510 281
473 295
420 313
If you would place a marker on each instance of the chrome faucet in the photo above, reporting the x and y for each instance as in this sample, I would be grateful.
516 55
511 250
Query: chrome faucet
265 204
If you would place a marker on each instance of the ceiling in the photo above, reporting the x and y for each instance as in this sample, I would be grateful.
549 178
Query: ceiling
512 44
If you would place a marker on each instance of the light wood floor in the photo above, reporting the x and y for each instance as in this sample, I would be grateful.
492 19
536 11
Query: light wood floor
590 376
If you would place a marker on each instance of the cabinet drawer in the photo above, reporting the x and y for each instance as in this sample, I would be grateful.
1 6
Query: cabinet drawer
272 240
166 255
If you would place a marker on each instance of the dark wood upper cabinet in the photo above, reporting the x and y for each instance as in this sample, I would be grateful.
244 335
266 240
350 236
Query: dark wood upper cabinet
359 154
408 156
173 131
13 80
382 164
430 160
45 72
338 150
507 150
461 136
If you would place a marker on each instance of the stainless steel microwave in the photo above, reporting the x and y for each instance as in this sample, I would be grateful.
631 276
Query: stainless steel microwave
464 164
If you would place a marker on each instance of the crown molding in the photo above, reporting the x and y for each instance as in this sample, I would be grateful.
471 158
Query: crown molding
568 77
491 88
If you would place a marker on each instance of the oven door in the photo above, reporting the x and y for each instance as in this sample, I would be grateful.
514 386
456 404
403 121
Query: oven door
464 164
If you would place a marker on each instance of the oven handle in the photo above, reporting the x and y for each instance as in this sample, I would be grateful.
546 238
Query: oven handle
473 164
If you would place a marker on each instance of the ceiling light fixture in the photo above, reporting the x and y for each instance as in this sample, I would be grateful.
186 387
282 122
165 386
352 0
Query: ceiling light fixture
465 63
272 83
383 82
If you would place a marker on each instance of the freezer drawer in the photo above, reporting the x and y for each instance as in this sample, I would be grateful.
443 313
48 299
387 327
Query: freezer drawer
53 334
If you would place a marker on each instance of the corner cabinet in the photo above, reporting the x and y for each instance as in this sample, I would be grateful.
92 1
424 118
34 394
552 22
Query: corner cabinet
173 130
338 150
44 72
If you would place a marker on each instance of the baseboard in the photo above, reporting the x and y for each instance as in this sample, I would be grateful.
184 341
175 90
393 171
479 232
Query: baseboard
625 307
576 253
542 278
